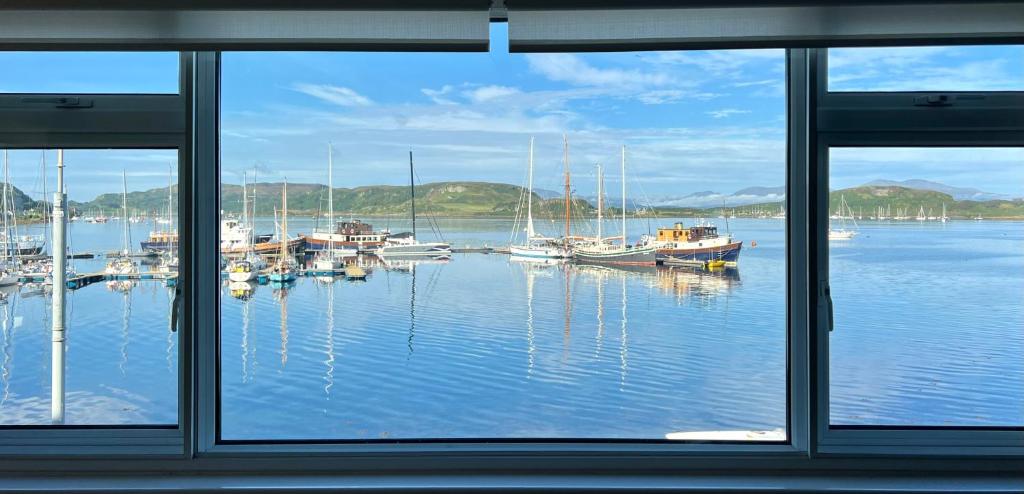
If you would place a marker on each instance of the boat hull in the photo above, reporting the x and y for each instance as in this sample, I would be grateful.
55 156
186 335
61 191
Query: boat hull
425 249
730 253
627 257
159 245
264 248
538 252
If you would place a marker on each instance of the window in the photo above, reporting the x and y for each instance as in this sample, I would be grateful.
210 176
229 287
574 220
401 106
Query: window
120 364
926 262
89 72
926 68
445 334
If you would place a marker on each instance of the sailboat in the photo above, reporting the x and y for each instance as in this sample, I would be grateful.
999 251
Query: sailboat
608 253
842 233
536 246
283 270
407 245
943 218
9 262
123 263
331 257
246 268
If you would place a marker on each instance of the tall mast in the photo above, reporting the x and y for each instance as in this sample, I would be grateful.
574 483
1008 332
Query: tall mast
124 209
565 163
7 223
330 199
57 309
170 202
245 200
600 202
412 194
623 195
529 199
284 222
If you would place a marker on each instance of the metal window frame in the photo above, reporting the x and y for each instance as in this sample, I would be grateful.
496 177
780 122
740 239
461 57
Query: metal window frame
110 121
896 119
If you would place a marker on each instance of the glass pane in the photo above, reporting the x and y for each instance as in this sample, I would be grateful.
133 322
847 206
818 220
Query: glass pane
927 68
120 355
369 332
926 259
89 72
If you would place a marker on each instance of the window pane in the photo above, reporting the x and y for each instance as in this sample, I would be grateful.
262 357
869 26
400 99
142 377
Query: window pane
89 72
927 68
926 259
395 338
120 353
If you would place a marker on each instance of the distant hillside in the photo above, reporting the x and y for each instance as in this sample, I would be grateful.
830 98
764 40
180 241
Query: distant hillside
958 193
867 200
442 198
23 204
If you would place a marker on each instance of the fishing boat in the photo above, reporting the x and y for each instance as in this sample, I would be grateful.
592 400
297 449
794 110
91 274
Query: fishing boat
603 252
284 269
330 257
122 263
699 245
407 245
536 245
843 233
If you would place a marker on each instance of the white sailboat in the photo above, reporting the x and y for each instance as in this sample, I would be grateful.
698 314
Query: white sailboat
623 253
9 261
536 246
123 264
331 258
842 233
283 270
408 245
248 267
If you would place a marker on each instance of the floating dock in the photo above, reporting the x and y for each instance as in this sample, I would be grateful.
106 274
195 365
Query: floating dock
82 280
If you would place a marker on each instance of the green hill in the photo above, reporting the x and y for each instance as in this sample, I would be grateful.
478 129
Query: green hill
866 200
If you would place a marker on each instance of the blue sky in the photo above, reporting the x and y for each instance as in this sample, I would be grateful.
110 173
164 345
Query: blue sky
691 121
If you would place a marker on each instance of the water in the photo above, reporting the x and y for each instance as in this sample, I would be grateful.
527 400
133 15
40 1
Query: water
929 331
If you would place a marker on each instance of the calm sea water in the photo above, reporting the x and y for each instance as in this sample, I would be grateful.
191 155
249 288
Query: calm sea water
928 331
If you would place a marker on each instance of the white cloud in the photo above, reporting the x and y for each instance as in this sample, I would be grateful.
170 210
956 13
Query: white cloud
333 94
437 95
572 69
662 96
726 112
488 93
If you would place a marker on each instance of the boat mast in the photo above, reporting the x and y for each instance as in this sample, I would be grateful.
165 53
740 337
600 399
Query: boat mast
600 202
529 199
412 195
170 203
623 195
124 210
330 199
7 224
565 163
284 223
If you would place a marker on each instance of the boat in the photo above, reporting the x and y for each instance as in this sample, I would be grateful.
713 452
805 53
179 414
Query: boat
353 235
602 252
536 245
943 218
330 257
842 233
283 270
241 270
407 245
355 272
698 245
12 244
248 267
165 240
123 263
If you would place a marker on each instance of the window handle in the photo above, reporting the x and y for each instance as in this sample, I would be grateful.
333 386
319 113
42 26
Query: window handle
933 100
826 294
175 309
59 101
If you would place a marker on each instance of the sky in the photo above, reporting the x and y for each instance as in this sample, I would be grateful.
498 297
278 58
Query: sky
691 121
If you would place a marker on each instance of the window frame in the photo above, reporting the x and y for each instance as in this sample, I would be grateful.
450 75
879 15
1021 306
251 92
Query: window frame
209 444
115 121
892 119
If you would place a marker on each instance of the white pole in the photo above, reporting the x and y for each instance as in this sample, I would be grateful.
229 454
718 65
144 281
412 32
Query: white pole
600 203
623 195
59 286
529 199
330 201
124 208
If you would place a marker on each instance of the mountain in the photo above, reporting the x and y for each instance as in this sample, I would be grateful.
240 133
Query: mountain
958 193
712 199
867 199
441 198
23 204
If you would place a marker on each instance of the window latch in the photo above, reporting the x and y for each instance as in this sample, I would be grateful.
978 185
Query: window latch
175 309
933 100
826 297
59 101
